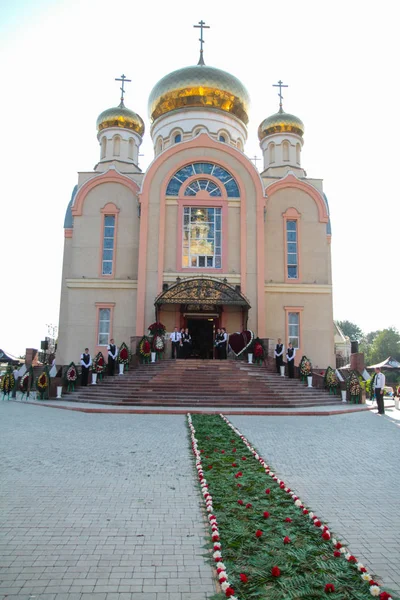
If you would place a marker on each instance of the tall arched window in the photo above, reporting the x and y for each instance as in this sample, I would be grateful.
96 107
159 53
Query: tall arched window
239 145
103 147
131 146
117 145
222 138
298 153
285 150
271 152
159 145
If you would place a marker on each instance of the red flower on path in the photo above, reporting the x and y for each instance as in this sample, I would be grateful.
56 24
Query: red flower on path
239 484
286 540
336 553
248 505
234 465
317 523
239 474
275 571
338 545
372 582
384 596
243 578
210 466
259 533
329 588
268 491
266 515
240 502
352 559
234 450
288 520
222 451
244 458
326 535
229 592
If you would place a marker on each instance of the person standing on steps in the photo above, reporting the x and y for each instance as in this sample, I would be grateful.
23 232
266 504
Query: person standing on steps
278 353
379 385
86 362
217 343
224 344
112 355
181 348
187 343
175 338
290 354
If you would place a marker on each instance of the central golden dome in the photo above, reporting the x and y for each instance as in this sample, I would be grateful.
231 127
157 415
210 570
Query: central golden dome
199 86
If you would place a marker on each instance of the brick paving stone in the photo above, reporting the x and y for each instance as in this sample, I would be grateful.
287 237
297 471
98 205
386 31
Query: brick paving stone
346 468
97 507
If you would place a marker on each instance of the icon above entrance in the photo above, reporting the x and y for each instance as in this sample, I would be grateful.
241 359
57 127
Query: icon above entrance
203 291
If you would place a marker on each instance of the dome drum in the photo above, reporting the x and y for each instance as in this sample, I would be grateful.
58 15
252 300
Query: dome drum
121 117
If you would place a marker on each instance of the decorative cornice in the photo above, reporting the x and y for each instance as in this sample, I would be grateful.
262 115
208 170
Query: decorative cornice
298 288
102 284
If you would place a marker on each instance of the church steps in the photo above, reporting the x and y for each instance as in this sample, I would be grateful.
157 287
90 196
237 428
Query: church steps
199 383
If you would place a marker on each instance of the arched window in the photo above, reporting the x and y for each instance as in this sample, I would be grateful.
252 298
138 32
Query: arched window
298 153
159 145
271 152
203 168
222 138
239 145
130 148
117 145
285 150
177 138
103 147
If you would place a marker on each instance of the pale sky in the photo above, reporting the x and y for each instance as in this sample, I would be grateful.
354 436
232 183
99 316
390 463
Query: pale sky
58 61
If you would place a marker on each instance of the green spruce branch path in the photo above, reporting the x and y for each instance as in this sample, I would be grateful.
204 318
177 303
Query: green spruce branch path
261 528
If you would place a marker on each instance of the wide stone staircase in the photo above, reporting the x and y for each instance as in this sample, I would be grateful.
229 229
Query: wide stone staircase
202 383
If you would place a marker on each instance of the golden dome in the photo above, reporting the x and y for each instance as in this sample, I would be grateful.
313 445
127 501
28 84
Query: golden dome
278 122
120 116
199 86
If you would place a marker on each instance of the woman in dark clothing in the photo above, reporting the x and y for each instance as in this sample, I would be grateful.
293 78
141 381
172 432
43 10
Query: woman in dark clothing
224 344
290 354
187 343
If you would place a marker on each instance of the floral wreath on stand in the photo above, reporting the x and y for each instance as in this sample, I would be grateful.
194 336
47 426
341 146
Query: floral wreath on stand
43 384
144 349
8 383
25 383
124 356
331 381
305 368
259 351
157 330
241 342
99 365
71 376
354 387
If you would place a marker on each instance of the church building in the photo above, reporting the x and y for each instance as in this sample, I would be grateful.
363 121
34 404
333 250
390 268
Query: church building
201 239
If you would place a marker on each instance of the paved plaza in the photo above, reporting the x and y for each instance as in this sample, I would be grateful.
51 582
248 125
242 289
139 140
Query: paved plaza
101 507
105 506
346 468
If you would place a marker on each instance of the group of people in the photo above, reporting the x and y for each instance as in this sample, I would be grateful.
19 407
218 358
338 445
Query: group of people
86 362
181 343
290 356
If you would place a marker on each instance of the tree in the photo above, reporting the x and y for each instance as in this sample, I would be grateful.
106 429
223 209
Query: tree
385 344
350 329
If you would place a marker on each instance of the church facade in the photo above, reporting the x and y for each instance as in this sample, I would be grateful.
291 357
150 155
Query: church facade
201 239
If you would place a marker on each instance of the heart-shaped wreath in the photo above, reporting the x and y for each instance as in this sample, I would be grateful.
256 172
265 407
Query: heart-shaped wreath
239 342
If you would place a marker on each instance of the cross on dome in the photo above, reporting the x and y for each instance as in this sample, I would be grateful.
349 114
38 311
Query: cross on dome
202 25
280 85
123 79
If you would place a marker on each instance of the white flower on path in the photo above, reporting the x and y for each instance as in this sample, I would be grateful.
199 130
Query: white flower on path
360 566
297 503
366 577
375 590
217 554
343 550
334 542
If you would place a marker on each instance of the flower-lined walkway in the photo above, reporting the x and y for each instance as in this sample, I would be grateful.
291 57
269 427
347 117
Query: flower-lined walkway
347 468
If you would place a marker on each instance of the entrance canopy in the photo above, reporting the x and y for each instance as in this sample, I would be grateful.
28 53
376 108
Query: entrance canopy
204 291
389 363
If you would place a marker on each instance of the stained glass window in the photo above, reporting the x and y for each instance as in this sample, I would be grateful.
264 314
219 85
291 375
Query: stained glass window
202 237
231 186
108 244
292 250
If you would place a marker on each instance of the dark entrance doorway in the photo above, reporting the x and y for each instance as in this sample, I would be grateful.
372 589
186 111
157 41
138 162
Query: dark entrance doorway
202 332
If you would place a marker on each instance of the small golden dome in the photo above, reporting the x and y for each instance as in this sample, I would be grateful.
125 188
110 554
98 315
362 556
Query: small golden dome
280 122
199 86
120 116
